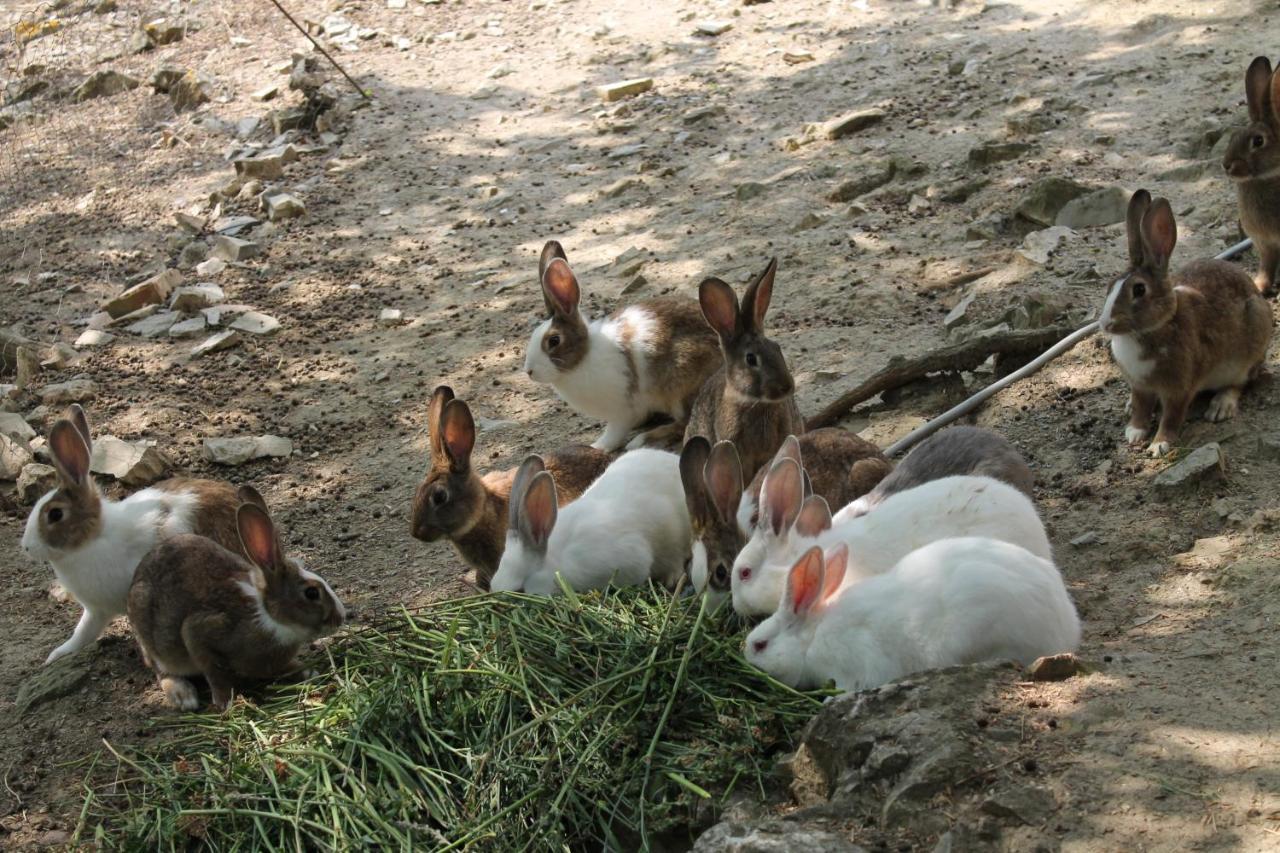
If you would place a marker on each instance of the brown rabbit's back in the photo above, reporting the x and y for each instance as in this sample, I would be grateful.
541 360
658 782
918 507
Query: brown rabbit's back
756 428
841 466
1232 322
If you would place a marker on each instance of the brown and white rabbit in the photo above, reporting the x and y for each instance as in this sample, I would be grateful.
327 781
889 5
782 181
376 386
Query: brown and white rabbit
1253 163
750 400
647 358
200 609
454 502
1206 328
94 543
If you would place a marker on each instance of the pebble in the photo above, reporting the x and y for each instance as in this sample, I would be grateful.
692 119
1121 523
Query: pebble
1089 537
216 343
155 325
188 328
266 93
14 456
35 481
391 317
192 298
796 57
153 291
228 248
851 123
624 89
72 391
103 84
14 425
713 28
256 323
283 206
132 463
1038 246
90 338
1055 667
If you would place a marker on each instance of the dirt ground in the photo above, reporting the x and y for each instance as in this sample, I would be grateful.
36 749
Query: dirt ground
485 137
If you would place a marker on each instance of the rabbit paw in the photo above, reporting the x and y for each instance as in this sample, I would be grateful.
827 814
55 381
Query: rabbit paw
1158 449
1223 406
180 693
1134 435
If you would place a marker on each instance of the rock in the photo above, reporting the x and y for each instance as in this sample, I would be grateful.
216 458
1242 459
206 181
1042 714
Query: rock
297 118
162 31
269 167
1089 537
188 328
1204 464
772 837
219 314
620 186
1268 446
632 286
712 28
283 206
700 114
192 254
137 463
194 224
1189 171
231 226
266 93
851 123
153 291
391 317
1047 197
15 426
796 57
28 367
250 190
190 91
211 267
749 190
72 391
155 325
228 248
1039 245
957 315
1055 667
242 449
256 323
217 343
629 262
624 89
996 152
1029 804
36 481
192 298
14 456
90 338
165 78
102 84
1106 206
56 680
870 176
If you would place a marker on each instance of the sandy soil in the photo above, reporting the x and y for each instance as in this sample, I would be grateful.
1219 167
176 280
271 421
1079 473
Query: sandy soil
479 147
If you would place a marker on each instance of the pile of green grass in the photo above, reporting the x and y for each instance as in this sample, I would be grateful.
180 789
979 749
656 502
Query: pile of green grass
493 722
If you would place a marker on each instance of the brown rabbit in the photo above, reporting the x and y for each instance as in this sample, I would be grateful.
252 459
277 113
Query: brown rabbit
1204 329
454 502
1253 162
751 399
199 609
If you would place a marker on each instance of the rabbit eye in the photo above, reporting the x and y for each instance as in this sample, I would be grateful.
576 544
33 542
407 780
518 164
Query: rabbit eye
438 497
759 646
312 594
553 341
744 574
752 360
1139 290
55 515
721 574
1258 140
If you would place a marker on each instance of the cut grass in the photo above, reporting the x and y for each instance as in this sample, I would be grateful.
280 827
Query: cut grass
491 722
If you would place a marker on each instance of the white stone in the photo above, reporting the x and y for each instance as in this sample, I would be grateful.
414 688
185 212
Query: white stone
211 267
214 343
256 323
14 456
15 425
136 463
391 317
93 338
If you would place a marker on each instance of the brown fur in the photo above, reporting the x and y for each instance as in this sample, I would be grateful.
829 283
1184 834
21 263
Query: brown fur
712 480
473 511
841 467
215 517
1204 329
1252 161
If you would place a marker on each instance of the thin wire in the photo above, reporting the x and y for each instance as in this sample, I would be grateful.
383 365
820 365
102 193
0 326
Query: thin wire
324 52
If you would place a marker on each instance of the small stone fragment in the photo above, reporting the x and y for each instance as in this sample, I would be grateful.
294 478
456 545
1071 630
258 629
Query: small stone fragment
1038 246
1106 206
713 28
90 338
192 298
14 456
153 291
267 166
283 206
103 84
241 449
190 91
60 678
636 283
1089 537
796 57
869 177
194 224
266 93
1204 464
216 343
14 425
233 248
163 31
997 152
256 323
35 481
851 123
624 89
71 391
211 267
155 325
1055 667
28 367
1047 196
132 463
391 317
188 328
957 315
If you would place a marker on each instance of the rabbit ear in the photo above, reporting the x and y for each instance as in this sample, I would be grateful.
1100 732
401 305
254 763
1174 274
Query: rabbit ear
693 460
1257 85
1159 234
538 511
258 537
80 421
532 465
550 252
804 583
755 302
1138 204
560 289
70 454
247 494
439 398
790 449
724 479
1275 100
815 516
833 574
457 435
719 307
781 495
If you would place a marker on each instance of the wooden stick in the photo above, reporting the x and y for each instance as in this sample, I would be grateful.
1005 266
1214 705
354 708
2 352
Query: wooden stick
323 52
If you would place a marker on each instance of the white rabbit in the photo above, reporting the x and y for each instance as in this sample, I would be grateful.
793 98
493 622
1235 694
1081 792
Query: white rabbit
631 525
954 601
939 509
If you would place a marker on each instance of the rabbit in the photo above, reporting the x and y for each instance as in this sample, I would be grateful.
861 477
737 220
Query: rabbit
953 601
198 608
454 502
951 452
644 359
630 526
712 480
1207 328
95 543
750 400
1252 161
939 509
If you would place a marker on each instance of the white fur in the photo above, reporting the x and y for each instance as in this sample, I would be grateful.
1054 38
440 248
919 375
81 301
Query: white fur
954 601
699 573
746 510
1109 306
940 509
98 574
1134 435
630 525
1128 354
598 387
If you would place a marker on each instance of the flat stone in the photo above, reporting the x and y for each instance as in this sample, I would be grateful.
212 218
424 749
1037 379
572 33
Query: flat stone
192 223
266 93
391 317
217 343
256 323
1204 464
59 679
713 28
1055 667
14 456
71 391
1106 206
60 356
102 84
211 267
36 481
268 167
620 186
283 206
90 338
164 31
749 190
997 152
219 314
1029 804
797 57
851 123
192 298
233 225
957 316
136 463
1089 537
241 449
15 425
869 177
624 89
155 325
153 291
1047 197
189 328
234 249
638 282
1038 246
629 262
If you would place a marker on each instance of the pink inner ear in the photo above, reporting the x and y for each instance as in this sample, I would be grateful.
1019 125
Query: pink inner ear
815 517
719 307
805 581
540 507
561 285
782 494
459 430
763 295
833 574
